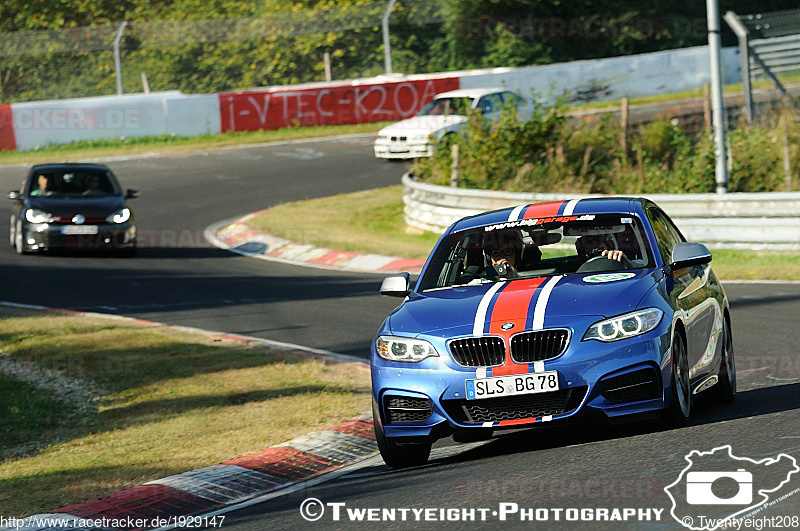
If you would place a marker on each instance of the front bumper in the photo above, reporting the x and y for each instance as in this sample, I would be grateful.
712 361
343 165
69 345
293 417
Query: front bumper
388 149
46 236
613 381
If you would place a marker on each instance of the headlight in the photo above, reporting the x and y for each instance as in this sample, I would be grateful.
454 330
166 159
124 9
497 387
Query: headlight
34 215
624 326
120 217
403 348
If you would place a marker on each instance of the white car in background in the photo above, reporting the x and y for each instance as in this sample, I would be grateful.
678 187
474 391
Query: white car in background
445 114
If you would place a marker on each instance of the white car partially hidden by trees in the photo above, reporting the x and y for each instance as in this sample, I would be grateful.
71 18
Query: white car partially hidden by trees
446 114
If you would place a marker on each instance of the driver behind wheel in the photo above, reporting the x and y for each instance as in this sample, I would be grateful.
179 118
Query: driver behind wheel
600 245
507 253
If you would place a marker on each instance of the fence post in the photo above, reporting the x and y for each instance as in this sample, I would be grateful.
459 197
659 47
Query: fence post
387 49
326 58
623 137
706 107
744 57
117 60
455 166
787 162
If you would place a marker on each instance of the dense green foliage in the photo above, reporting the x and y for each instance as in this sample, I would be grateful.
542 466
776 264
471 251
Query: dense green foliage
551 154
465 34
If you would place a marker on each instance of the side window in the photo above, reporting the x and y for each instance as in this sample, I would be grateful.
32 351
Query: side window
667 234
488 104
514 99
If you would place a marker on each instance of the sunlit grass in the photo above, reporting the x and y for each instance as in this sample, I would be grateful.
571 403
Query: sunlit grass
158 402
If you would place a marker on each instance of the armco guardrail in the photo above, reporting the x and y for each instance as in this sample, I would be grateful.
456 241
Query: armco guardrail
754 221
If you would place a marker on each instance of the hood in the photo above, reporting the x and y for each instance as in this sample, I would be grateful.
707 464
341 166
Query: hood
95 206
528 303
422 125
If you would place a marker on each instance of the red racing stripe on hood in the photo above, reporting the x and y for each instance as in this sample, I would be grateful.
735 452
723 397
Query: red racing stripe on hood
512 306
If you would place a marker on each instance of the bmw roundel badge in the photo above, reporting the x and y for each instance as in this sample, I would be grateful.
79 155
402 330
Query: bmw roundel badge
507 326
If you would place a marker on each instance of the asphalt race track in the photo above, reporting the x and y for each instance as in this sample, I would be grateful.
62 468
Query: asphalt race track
583 471
181 279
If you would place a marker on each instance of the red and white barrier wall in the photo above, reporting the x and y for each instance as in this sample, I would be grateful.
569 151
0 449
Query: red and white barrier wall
374 100
31 125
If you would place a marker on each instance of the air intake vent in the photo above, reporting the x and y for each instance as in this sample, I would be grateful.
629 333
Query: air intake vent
539 346
478 351
632 387
404 409
515 407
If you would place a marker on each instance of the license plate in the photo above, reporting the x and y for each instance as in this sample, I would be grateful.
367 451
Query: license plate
398 149
79 229
515 384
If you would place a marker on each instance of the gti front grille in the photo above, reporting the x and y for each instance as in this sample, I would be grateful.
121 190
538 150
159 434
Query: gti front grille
515 407
478 351
632 387
404 409
539 345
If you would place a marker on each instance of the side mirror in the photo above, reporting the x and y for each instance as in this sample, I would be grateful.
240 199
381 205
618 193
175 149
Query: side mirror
396 285
15 195
688 254
131 194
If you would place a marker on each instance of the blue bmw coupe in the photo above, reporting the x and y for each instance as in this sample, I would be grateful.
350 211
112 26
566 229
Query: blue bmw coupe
548 312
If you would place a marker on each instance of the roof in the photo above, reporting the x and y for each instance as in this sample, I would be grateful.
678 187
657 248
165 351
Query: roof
471 92
68 165
595 205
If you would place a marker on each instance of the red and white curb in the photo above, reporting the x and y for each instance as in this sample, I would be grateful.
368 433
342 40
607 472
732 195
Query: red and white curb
238 237
162 502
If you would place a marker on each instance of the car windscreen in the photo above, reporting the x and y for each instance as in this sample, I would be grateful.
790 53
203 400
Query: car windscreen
447 106
73 183
564 245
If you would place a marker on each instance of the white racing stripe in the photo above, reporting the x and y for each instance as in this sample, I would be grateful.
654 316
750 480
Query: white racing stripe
480 315
538 366
480 372
541 302
514 215
570 208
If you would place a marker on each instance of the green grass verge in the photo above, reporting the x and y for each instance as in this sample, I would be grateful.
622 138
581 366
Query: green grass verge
369 221
121 403
372 221
170 144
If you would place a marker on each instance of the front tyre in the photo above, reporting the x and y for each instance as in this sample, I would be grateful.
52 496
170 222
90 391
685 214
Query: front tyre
12 227
680 404
19 245
398 455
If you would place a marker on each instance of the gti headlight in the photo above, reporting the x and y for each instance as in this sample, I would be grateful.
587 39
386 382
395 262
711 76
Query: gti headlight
625 326
403 348
120 216
34 215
